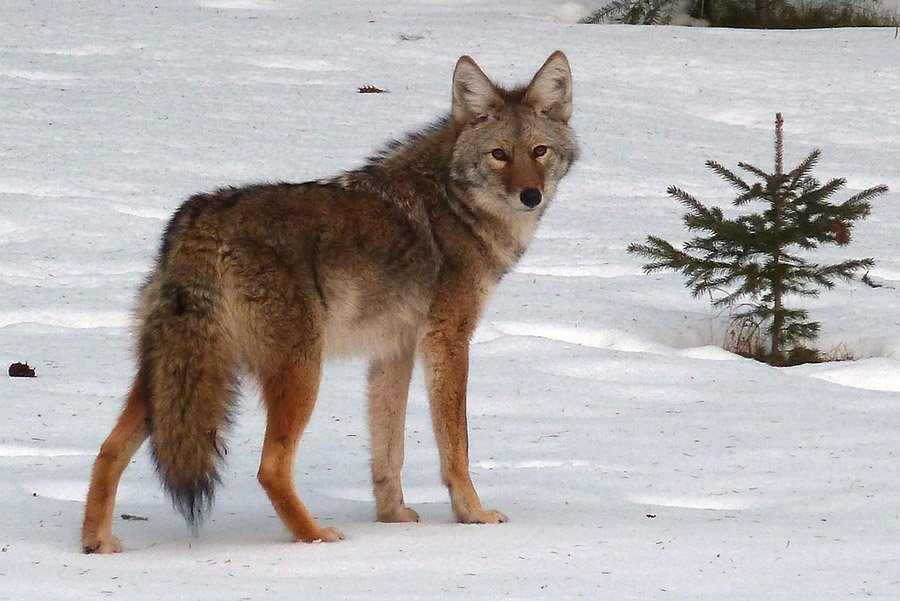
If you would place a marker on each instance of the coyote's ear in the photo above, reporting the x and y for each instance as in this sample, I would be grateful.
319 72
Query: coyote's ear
550 91
474 96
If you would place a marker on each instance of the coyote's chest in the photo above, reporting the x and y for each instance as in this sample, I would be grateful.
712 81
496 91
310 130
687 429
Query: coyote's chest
362 321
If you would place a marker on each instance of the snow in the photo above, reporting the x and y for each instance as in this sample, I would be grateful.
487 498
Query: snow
635 458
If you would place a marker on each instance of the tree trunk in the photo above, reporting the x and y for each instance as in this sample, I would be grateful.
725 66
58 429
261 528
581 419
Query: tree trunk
777 323
778 201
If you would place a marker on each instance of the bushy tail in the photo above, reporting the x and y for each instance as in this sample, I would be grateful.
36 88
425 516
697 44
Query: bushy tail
184 351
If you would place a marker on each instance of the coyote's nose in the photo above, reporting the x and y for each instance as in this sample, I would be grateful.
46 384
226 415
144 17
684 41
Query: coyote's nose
530 197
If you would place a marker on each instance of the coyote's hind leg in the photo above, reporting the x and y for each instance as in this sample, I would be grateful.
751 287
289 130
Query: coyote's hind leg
289 396
120 446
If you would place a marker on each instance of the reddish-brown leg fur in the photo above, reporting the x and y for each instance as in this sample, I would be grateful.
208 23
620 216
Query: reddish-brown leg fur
289 396
446 356
120 446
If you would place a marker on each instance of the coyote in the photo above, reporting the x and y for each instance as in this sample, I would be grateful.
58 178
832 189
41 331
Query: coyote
393 261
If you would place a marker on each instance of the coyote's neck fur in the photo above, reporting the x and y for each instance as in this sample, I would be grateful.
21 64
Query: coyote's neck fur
417 176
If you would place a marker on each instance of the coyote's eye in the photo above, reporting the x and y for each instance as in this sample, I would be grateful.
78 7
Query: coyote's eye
539 151
499 154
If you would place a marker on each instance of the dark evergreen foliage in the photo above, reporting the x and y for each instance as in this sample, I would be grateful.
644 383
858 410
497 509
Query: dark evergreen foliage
762 257
793 14
633 12
763 14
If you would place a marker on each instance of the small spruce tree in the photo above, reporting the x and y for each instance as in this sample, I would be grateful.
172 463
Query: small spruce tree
757 256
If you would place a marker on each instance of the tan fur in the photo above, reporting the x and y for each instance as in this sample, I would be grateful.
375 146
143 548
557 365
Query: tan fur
393 261
388 390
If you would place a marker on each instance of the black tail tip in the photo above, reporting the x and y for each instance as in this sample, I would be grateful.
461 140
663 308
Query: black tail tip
193 502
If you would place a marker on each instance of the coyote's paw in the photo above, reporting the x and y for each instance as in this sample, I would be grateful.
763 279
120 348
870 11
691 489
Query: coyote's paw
330 535
399 515
101 544
483 516
323 535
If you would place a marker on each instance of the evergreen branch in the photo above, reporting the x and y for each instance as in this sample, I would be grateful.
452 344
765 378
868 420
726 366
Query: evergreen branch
728 301
802 170
755 171
633 12
843 271
797 290
686 199
860 200
701 216
755 192
662 254
818 195
728 175
600 15
654 14
794 332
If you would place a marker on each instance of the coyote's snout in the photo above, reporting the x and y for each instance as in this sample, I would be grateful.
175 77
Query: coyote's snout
531 197
393 261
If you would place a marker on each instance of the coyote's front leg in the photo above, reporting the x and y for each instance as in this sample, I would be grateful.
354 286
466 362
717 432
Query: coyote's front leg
445 353
388 391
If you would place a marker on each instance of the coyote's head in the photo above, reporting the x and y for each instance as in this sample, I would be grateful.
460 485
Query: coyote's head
514 145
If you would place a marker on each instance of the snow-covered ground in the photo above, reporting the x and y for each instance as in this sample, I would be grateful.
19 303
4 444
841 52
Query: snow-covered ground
635 458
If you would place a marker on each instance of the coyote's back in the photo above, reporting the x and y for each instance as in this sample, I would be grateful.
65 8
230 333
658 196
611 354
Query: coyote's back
391 261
